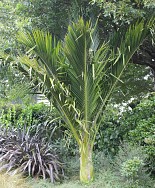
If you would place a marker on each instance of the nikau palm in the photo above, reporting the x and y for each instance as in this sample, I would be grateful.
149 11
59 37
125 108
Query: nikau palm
79 75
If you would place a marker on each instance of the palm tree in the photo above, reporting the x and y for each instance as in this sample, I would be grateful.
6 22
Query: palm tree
79 75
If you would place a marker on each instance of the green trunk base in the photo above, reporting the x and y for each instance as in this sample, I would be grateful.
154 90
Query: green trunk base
86 165
87 174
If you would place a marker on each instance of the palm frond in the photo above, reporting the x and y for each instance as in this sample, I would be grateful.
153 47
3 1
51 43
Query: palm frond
130 42
79 75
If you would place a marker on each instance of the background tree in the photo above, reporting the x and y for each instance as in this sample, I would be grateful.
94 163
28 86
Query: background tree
13 18
115 15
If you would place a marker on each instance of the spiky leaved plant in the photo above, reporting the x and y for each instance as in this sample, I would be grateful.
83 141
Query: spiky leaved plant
30 154
79 75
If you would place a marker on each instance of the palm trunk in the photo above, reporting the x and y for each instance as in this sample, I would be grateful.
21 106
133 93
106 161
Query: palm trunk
86 163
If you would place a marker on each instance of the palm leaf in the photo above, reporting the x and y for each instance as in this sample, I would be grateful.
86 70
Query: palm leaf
129 44
79 75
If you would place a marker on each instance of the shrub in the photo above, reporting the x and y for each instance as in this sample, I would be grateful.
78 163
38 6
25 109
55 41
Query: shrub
10 114
31 154
144 135
130 165
141 120
16 115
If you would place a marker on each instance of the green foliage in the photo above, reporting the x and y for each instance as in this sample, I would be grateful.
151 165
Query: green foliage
19 93
105 178
141 122
110 133
123 12
20 116
75 52
11 22
130 165
136 82
130 168
108 138
54 16
32 155
107 174
72 166
14 86
126 153
69 145
36 117
50 15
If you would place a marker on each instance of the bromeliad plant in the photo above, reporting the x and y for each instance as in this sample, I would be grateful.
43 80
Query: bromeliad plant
79 75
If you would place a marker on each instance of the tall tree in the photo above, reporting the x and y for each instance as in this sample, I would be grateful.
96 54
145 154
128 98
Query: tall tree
79 76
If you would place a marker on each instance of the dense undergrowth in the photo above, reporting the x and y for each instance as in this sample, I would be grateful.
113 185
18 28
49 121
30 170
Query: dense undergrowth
109 173
124 148
126 170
